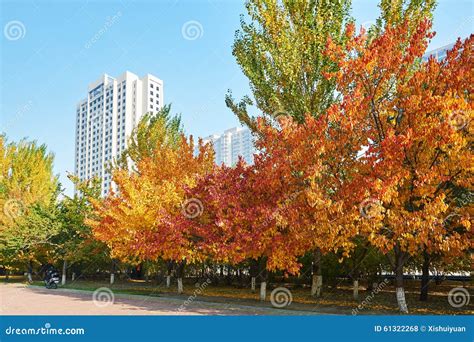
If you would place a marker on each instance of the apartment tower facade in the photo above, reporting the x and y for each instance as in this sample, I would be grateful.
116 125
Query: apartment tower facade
231 144
106 117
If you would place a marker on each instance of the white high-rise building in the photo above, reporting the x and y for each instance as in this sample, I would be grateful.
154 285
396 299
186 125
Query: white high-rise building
106 118
438 53
231 144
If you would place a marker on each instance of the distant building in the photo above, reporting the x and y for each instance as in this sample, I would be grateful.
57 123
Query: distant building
231 144
106 118
438 53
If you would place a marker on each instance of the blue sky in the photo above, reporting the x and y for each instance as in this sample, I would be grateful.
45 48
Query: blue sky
46 71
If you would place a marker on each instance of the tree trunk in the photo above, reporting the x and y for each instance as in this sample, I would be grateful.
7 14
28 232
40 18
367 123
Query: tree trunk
228 277
112 272
137 271
263 279
239 277
355 290
317 278
63 276
263 290
169 267
180 275
253 274
220 277
73 276
400 290
425 277
30 271
371 281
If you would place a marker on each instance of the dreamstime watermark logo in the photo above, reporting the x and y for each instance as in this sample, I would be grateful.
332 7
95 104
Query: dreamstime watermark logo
21 111
109 22
453 217
192 30
366 25
283 118
370 207
458 120
370 297
14 30
458 297
103 296
465 23
46 330
13 208
199 289
281 297
192 208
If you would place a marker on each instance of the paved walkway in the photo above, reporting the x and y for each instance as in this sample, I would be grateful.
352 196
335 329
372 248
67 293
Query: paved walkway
19 299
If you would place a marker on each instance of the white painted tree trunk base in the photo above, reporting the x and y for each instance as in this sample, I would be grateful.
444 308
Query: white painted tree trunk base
180 285
30 277
356 290
316 285
168 281
252 284
263 291
402 304
112 278
73 276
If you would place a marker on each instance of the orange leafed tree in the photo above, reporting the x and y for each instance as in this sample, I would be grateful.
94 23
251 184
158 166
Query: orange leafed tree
309 163
414 118
140 221
290 201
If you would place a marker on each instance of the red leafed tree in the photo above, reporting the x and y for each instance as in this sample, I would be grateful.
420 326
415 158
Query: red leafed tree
290 201
241 219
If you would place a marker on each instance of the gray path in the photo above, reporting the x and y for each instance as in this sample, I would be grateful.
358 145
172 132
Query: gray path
18 299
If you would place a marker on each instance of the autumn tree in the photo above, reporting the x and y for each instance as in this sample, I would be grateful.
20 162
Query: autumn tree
311 162
281 50
139 221
415 120
285 204
28 191
240 221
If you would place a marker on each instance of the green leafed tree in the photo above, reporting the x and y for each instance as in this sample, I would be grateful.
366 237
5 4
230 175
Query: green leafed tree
281 51
395 12
74 242
154 129
28 191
